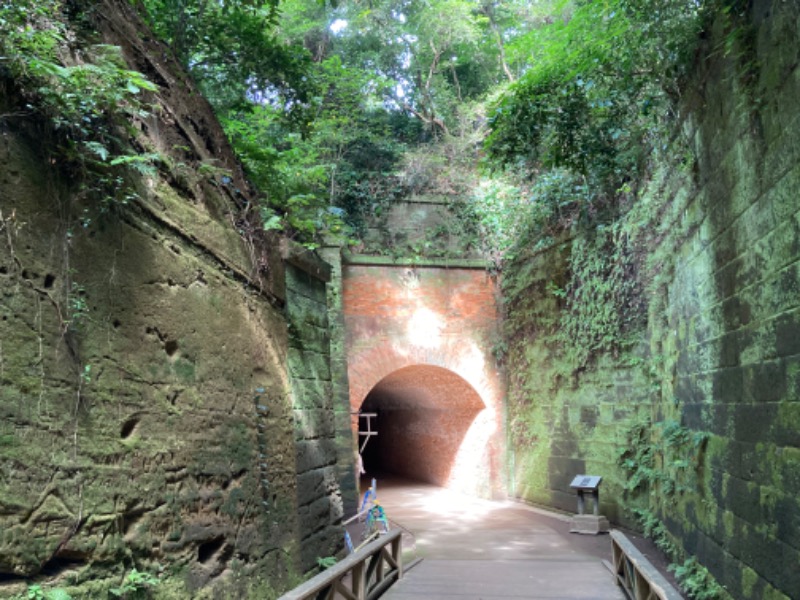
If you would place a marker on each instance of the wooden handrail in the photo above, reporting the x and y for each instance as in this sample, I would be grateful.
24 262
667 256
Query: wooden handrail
363 575
635 575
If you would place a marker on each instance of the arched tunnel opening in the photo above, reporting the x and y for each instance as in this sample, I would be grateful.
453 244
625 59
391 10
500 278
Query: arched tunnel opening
424 418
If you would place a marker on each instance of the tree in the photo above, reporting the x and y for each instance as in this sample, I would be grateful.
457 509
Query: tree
599 82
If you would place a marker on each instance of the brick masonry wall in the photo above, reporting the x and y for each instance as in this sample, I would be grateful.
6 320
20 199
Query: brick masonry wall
402 317
425 417
722 345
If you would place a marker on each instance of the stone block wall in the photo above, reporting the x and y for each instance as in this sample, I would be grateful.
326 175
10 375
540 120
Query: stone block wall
731 314
422 226
564 422
345 442
319 495
719 355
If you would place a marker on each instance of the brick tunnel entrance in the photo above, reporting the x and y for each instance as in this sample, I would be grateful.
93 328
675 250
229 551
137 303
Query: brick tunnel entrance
429 426
418 349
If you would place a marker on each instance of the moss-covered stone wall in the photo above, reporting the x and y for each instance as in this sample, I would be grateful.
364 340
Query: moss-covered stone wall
709 384
131 363
156 410
346 447
319 492
419 226
564 419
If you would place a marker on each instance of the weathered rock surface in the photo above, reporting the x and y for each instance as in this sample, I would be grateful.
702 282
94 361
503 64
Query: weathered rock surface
146 405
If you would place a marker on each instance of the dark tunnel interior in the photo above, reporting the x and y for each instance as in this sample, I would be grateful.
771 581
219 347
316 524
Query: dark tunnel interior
423 415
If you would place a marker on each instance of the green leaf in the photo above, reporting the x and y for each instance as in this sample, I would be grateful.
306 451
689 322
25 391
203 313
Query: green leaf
98 149
274 223
326 562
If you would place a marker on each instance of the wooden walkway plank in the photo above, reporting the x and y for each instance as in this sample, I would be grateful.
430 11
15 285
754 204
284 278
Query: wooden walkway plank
481 550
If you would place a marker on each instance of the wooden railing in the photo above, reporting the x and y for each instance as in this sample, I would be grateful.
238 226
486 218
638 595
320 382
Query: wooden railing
635 575
363 575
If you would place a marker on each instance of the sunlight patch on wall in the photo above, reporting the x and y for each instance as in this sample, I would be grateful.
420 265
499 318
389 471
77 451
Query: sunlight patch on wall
424 328
472 461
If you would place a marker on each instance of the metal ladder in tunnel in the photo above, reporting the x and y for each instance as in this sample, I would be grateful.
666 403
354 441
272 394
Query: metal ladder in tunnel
366 506
369 432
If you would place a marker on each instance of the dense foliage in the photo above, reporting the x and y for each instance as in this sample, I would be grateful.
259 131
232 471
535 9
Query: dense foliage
575 133
83 93
338 109
325 103
597 99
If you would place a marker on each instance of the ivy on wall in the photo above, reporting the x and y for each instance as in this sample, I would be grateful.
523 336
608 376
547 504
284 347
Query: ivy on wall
663 461
603 300
595 116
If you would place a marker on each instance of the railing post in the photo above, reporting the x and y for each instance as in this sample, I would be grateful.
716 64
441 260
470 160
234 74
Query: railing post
397 554
635 575
359 581
379 568
362 568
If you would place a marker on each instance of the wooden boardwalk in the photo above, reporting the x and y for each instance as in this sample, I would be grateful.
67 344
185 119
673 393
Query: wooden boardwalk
483 550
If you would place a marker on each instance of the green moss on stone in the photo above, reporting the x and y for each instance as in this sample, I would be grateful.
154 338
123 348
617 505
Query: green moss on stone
185 370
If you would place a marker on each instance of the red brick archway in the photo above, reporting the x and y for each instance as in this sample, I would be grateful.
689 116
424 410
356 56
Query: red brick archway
425 416
418 344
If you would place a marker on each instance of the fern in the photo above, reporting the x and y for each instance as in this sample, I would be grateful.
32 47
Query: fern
696 581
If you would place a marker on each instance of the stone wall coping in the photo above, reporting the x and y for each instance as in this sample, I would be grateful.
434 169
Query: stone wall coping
401 261
425 199
305 260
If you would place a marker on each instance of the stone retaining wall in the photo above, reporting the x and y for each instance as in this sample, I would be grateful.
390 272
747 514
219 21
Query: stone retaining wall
719 355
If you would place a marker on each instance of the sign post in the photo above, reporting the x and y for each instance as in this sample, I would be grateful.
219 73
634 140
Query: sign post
584 523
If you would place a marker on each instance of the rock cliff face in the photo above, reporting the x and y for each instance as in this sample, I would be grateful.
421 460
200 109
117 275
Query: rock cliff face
146 403
703 406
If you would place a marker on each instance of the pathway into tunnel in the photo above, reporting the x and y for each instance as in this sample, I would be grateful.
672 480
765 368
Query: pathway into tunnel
479 549
429 429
